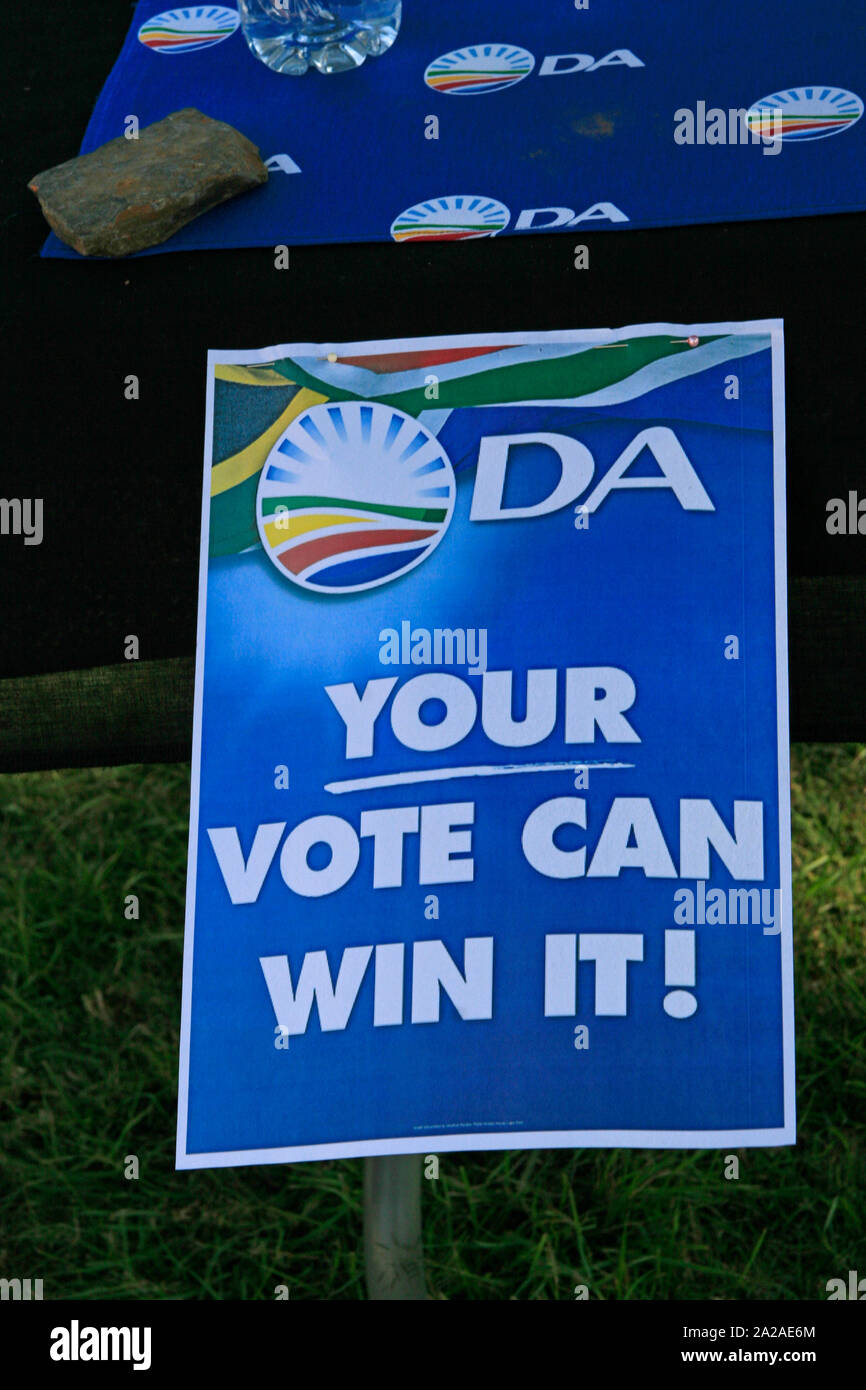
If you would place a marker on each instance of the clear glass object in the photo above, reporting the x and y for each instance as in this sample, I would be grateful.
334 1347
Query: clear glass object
292 35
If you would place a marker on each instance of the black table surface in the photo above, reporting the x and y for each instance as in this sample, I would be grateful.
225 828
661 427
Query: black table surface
121 480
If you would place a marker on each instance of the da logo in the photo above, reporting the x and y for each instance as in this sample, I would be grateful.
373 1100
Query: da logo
485 67
451 219
183 31
353 495
456 219
490 67
806 113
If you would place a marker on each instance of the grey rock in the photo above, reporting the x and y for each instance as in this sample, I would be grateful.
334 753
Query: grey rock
129 194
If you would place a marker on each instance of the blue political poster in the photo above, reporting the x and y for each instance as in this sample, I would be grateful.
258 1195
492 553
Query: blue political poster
490 831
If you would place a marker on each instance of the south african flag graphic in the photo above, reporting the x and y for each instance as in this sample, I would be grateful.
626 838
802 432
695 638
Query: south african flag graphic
330 463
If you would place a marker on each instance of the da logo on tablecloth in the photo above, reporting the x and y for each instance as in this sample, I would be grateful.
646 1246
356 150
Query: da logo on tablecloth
485 67
451 219
491 67
456 219
353 495
188 29
807 113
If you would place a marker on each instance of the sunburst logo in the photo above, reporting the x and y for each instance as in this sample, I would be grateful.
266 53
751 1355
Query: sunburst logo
458 218
804 113
484 67
353 495
185 30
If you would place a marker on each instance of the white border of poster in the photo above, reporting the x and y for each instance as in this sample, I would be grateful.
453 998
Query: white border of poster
430 1142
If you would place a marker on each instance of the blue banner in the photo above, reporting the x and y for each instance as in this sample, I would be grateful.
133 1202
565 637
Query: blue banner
489 841
502 118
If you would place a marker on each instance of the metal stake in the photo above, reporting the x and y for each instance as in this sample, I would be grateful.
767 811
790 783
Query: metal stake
393 1252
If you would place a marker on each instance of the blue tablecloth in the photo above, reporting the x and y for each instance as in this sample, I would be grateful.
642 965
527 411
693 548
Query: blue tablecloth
548 117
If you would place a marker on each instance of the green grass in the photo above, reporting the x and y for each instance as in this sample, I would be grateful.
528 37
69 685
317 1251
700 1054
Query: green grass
89 1012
